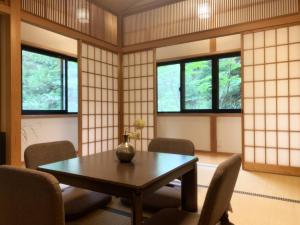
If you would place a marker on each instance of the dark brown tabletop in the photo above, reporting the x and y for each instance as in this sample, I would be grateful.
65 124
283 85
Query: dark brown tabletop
146 173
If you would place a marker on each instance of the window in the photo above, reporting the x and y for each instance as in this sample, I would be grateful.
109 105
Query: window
210 84
49 82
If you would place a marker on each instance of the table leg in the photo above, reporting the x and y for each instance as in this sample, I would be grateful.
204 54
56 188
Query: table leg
189 191
137 209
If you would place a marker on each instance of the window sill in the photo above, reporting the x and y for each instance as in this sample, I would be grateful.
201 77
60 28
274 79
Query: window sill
202 114
49 116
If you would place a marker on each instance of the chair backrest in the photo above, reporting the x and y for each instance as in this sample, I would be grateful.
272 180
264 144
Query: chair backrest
172 145
220 191
44 153
29 197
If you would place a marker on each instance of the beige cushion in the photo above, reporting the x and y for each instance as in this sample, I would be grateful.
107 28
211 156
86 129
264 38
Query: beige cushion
173 217
77 201
29 197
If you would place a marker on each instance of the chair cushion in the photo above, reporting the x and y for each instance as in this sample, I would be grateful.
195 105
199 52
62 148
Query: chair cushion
173 217
165 197
78 202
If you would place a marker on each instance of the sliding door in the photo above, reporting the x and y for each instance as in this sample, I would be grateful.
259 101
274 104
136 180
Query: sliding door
98 101
271 60
139 92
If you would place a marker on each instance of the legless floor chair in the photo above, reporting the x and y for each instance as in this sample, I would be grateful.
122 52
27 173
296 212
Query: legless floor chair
29 197
76 201
216 202
167 196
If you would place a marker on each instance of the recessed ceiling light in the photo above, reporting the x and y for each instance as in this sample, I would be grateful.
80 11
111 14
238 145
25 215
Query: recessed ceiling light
83 15
204 11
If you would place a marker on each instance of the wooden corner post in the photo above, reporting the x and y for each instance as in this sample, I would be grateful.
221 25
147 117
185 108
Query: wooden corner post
13 92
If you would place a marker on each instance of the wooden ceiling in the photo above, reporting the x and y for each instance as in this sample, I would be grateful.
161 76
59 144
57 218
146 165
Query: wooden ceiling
122 7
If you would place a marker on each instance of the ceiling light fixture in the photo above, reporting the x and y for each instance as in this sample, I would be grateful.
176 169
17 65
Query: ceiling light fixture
83 15
204 11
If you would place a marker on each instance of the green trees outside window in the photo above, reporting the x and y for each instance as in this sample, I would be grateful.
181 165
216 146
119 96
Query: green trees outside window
210 84
198 85
49 82
168 84
230 83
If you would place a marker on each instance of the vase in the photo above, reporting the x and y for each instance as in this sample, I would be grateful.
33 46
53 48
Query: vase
125 151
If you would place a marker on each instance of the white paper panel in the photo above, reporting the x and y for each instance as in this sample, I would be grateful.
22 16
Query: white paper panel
98 112
249 154
139 95
271 156
271 96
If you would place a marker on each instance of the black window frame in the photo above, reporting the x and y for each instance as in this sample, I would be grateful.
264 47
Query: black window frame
215 84
64 76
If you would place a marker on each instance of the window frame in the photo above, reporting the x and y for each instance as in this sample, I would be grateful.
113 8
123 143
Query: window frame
64 78
215 83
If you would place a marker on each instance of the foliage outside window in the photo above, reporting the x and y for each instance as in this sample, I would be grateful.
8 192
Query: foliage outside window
210 84
49 82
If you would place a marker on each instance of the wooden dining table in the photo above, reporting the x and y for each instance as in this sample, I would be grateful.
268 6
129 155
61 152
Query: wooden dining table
147 172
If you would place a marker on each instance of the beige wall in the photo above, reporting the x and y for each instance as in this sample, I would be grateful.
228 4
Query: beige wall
42 38
197 127
37 130
194 128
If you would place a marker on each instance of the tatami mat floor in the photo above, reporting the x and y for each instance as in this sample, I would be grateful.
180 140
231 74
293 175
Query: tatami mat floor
259 198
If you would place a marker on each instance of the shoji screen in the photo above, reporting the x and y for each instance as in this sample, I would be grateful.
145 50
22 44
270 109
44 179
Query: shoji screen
272 99
98 100
138 85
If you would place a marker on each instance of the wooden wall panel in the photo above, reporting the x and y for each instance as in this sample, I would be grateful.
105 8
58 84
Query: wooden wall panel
271 84
4 2
189 16
99 113
80 15
139 94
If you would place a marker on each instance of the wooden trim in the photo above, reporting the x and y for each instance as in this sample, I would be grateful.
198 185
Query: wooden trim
32 44
213 134
155 114
200 114
4 9
274 169
13 138
121 99
213 45
234 29
43 23
49 116
79 122
198 55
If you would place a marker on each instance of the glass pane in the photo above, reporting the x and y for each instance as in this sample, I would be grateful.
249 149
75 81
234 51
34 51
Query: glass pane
42 85
230 83
168 84
72 87
198 85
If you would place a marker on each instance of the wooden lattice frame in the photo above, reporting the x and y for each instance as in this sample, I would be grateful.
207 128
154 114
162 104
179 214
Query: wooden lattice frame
271 102
99 113
139 94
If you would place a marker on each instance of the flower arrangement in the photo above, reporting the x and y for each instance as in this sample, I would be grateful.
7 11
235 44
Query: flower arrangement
138 124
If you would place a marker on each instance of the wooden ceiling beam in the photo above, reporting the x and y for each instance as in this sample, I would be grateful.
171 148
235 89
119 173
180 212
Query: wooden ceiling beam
4 9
